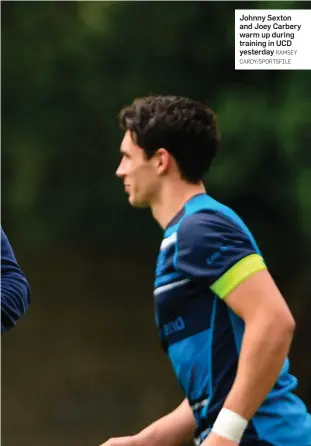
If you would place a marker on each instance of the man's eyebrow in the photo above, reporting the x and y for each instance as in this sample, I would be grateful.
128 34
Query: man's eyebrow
123 151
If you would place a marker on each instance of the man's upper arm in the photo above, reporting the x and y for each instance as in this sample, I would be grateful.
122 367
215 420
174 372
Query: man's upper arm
216 253
258 298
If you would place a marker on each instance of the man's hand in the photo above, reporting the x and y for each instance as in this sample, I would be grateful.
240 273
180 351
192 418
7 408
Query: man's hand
216 440
133 440
173 429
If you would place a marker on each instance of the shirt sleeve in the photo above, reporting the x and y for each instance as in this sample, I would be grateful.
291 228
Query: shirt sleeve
215 252
15 291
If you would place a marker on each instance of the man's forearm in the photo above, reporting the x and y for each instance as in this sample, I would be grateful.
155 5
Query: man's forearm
264 350
173 429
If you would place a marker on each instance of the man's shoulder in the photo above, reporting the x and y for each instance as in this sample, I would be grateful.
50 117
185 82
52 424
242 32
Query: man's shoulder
204 222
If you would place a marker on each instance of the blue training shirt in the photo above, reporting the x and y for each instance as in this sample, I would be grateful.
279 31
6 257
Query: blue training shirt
15 291
206 252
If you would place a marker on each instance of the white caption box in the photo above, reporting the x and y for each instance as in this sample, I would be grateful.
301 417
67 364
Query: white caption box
273 39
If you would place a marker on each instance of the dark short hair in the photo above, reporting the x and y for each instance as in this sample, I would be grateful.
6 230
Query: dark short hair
186 128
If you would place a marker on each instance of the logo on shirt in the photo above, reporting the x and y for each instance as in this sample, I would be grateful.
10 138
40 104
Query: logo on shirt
210 260
174 326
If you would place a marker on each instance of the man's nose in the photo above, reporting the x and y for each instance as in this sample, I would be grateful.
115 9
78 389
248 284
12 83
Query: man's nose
120 172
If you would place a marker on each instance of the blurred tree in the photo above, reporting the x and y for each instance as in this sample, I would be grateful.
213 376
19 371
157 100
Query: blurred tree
67 69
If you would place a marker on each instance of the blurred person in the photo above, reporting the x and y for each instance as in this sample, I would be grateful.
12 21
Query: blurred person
15 291
222 320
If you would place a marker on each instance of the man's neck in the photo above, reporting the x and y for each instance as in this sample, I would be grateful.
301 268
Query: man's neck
172 199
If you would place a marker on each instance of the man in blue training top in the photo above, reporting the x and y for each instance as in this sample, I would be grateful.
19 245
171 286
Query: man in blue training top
222 320
15 292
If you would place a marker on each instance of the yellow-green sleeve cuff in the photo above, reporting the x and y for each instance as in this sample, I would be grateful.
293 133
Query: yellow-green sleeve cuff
237 273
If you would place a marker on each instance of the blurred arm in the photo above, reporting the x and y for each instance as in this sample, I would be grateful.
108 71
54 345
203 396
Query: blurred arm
173 429
15 292
269 328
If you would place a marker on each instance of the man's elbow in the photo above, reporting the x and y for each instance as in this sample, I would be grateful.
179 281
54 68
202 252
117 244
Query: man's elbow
279 323
284 327
288 324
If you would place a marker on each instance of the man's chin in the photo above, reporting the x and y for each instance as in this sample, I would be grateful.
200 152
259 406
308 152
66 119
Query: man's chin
136 203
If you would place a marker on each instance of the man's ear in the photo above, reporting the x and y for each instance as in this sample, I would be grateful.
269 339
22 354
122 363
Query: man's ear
162 159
